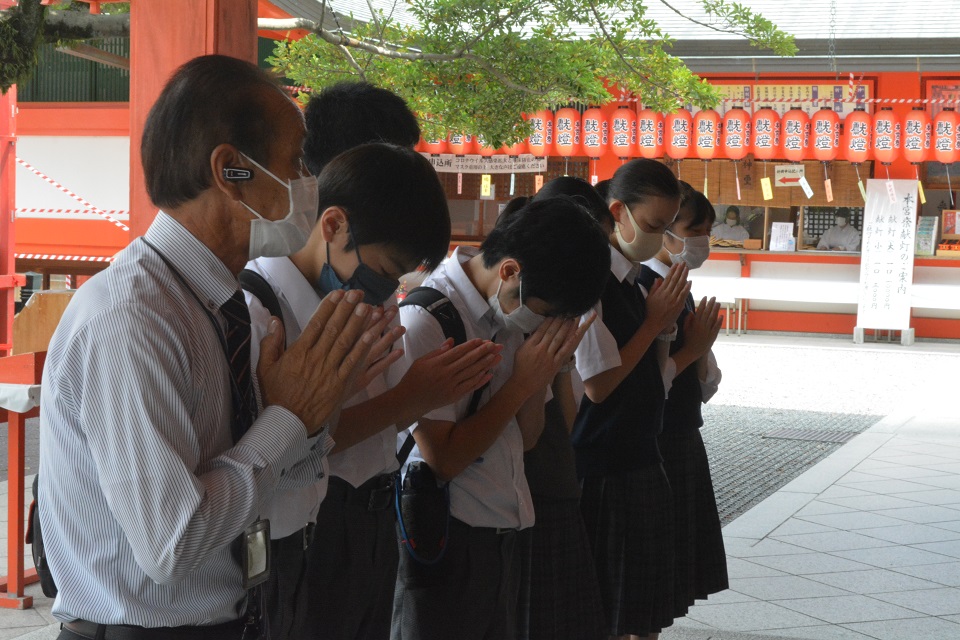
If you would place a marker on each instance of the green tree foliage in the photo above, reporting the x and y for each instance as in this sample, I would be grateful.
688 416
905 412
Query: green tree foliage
476 65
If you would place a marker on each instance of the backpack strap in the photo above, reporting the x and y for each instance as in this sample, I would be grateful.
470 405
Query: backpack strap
442 309
257 285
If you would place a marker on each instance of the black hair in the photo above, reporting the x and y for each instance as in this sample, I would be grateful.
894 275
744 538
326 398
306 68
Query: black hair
348 114
603 188
843 212
695 208
210 100
584 194
733 208
391 194
563 253
512 207
640 179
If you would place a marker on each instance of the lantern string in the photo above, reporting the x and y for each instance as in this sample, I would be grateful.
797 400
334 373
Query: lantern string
736 172
949 186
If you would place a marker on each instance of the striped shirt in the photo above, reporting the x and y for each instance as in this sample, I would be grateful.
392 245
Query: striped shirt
142 488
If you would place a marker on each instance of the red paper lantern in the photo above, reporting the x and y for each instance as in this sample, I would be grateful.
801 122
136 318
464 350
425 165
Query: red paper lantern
483 148
856 136
596 131
679 134
433 146
706 128
886 136
766 134
735 138
795 137
825 130
650 134
916 135
623 132
461 144
516 149
945 127
566 132
540 140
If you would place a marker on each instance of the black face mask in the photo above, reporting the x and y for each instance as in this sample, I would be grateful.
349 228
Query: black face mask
375 287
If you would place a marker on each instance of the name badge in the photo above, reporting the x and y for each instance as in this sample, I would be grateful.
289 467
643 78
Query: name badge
256 554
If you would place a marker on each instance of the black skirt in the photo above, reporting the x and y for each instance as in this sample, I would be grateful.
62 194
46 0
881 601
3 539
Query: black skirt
559 595
700 560
629 520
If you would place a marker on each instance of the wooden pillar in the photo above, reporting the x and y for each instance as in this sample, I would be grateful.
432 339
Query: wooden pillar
164 35
8 188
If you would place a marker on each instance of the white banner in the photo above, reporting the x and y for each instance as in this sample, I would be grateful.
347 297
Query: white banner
449 163
886 261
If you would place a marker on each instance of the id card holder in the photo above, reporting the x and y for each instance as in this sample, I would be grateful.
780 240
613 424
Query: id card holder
256 554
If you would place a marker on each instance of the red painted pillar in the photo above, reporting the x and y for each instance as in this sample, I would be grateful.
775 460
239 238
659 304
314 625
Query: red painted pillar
8 190
164 35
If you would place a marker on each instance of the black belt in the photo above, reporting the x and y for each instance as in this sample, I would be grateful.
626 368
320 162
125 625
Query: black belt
495 531
227 631
376 494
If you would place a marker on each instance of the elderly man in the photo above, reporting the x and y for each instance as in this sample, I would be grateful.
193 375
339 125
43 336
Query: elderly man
157 454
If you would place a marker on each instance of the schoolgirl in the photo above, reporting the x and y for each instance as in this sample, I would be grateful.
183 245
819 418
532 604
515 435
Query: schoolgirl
626 501
700 566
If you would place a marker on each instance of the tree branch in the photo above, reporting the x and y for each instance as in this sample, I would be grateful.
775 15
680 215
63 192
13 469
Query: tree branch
729 30
353 62
76 25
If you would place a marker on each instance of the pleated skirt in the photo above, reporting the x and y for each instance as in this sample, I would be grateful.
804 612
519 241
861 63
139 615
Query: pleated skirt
630 527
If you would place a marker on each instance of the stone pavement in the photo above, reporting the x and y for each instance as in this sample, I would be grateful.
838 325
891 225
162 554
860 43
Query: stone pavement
865 544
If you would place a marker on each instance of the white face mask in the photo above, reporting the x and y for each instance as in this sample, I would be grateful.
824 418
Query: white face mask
732 222
276 238
841 221
696 250
644 246
521 319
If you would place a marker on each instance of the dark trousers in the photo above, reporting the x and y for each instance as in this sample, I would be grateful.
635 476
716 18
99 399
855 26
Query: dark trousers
351 565
285 593
471 594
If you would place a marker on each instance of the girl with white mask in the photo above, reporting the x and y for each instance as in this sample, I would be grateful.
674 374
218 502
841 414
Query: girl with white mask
626 502
699 558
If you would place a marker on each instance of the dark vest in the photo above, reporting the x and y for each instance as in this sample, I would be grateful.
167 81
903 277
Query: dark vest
620 433
681 412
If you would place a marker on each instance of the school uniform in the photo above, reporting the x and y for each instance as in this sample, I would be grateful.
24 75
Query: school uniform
472 592
700 558
559 593
347 565
626 500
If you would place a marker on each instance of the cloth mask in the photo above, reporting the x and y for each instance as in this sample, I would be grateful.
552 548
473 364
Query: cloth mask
644 246
376 288
696 250
732 222
277 238
521 319
841 221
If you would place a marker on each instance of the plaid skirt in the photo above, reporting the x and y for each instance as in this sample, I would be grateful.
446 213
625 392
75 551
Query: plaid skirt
700 560
629 521
559 595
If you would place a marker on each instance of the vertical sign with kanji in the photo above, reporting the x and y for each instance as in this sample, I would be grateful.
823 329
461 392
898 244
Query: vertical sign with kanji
886 261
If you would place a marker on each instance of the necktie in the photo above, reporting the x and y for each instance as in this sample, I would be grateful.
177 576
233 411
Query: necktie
237 316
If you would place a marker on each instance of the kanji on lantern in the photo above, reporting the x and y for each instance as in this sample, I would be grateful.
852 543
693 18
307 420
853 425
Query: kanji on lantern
766 134
566 132
735 137
825 134
649 134
679 133
856 136
706 126
886 136
623 132
596 137
796 135
540 140
916 135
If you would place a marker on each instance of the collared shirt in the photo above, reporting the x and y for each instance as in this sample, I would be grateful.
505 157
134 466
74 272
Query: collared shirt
836 236
710 383
374 456
143 489
293 508
598 351
492 491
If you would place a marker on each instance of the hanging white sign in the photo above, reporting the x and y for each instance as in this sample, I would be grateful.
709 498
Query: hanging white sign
449 163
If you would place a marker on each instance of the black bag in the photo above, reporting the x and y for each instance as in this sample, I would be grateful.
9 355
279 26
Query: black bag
34 538
421 502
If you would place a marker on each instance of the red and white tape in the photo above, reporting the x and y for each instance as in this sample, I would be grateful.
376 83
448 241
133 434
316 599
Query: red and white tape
113 212
51 256
46 178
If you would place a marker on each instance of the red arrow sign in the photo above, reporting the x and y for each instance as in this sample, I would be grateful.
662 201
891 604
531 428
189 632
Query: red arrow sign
785 180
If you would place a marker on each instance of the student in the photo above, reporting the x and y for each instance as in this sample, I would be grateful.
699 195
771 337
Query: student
559 594
514 285
382 213
732 230
842 236
626 501
699 558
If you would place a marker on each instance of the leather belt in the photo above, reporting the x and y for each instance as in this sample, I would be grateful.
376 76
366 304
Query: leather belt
227 631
